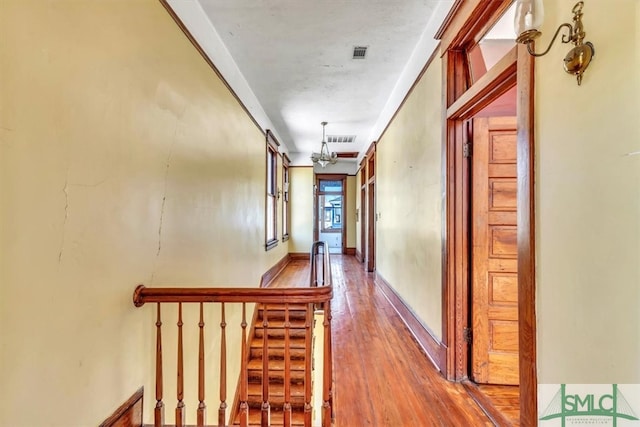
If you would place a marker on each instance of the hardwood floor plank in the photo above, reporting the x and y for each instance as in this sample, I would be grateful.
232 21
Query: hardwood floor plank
382 377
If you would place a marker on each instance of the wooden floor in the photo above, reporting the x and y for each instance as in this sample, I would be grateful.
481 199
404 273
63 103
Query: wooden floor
382 378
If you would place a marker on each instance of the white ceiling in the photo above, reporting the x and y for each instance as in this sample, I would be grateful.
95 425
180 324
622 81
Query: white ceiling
290 61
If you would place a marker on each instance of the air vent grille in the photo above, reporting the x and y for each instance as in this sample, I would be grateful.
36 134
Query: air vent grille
359 52
341 139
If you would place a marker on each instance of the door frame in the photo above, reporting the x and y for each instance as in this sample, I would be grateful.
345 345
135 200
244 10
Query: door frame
316 195
463 28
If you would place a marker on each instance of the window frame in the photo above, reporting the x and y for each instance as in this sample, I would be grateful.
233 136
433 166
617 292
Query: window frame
286 187
271 191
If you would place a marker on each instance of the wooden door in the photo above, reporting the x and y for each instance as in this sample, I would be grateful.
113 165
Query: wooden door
494 275
363 221
371 231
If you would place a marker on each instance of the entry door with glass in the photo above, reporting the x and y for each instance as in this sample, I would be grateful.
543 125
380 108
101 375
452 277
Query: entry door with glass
330 214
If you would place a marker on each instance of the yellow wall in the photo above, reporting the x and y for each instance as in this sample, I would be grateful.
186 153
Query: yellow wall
302 182
124 160
408 180
588 201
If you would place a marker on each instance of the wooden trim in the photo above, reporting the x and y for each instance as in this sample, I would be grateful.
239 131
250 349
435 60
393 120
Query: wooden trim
272 140
271 148
447 20
485 404
421 332
319 294
470 21
294 256
500 78
318 193
461 31
347 155
129 413
370 150
273 272
362 163
526 241
208 60
350 251
358 255
286 160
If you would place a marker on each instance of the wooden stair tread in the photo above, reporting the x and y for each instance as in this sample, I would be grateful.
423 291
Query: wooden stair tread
278 343
278 353
281 306
276 365
279 333
277 417
277 376
276 390
275 330
279 323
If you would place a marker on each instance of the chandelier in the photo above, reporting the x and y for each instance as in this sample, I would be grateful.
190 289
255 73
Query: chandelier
324 157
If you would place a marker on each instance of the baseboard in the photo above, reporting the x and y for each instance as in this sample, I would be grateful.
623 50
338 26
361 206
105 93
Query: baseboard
129 414
350 251
423 335
299 256
271 273
359 256
485 404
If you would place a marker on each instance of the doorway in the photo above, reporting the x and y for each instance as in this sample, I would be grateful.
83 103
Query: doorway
329 207
494 254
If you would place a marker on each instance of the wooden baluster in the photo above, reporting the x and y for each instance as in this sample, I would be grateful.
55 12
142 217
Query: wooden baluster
287 368
180 412
223 371
264 415
202 408
327 375
244 409
158 413
308 344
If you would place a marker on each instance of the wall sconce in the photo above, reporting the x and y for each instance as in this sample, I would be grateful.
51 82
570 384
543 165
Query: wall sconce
528 19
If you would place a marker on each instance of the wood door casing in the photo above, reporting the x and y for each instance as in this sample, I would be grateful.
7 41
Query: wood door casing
494 277
371 232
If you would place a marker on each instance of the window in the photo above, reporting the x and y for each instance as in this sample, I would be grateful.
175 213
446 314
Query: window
285 198
271 211
330 198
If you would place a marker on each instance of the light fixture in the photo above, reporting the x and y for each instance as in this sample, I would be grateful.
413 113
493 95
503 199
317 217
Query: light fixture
528 19
324 157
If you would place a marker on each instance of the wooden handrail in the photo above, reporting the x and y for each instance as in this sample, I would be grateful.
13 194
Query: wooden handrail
318 295
143 295
326 265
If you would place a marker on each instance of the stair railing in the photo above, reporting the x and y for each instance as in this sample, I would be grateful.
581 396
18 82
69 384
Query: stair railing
318 295
320 276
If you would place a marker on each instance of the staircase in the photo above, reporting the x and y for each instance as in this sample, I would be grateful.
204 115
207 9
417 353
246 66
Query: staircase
300 316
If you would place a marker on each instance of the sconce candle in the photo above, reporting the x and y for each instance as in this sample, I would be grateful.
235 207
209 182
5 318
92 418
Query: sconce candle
528 19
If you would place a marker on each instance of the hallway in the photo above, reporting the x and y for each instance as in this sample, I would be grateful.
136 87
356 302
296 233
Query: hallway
382 378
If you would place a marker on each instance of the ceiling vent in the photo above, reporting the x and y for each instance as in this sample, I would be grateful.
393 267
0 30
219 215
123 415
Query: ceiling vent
341 139
359 52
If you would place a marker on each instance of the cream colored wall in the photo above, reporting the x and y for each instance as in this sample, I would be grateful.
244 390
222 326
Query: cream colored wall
588 201
350 219
408 180
302 181
124 160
